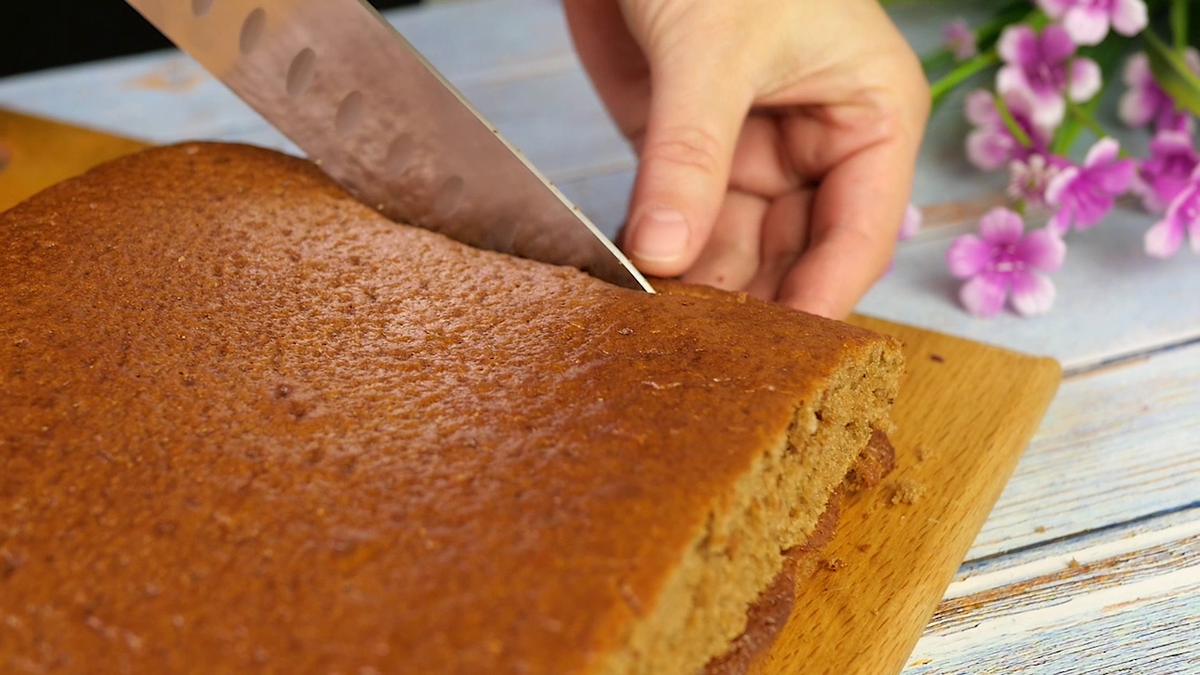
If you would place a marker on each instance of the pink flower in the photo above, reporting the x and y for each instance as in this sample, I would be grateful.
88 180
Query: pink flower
960 40
1028 178
1164 238
1087 21
1040 69
1003 259
1167 171
990 144
1146 102
909 227
911 224
1085 194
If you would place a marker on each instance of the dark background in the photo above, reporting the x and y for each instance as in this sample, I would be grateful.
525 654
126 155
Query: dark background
37 34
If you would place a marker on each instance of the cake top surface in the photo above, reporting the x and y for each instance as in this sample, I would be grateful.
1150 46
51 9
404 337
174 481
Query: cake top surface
233 396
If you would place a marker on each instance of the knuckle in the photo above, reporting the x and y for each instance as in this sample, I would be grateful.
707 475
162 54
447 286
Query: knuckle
689 147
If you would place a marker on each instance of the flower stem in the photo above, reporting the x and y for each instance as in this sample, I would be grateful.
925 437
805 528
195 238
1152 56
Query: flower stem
1010 123
1179 23
1085 118
962 73
936 61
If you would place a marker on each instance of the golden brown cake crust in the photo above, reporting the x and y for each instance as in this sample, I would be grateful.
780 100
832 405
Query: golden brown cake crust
247 423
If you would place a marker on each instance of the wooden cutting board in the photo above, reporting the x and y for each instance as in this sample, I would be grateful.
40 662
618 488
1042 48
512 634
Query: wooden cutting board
965 413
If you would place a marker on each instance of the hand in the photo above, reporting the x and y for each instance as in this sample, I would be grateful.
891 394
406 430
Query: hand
776 139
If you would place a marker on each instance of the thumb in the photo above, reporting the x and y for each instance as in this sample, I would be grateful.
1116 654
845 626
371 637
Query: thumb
685 156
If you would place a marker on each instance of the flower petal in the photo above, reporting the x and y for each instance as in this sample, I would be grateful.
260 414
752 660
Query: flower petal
1115 178
1137 70
1129 17
1084 79
1170 119
1001 226
1011 82
1048 111
1018 45
1086 24
1103 151
1150 199
1056 8
959 39
1041 249
1059 183
968 256
984 294
1032 293
1164 238
1092 210
1137 107
980 109
989 149
911 224
1060 223
1056 44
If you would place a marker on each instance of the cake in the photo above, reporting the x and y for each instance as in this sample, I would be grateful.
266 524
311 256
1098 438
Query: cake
249 425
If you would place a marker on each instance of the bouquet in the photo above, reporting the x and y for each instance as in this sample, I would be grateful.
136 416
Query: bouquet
1052 61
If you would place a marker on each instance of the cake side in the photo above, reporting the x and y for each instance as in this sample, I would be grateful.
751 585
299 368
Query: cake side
774 507
248 423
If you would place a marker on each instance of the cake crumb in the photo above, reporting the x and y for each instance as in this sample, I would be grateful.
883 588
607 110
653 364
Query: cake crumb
923 453
1074 564
834 564
1040 529
907 492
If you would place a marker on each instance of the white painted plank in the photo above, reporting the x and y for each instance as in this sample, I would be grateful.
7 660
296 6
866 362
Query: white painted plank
1141 602
1116 444
1053 555
555 118
1112 300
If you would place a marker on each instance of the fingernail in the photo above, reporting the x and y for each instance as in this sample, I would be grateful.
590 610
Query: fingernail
660 235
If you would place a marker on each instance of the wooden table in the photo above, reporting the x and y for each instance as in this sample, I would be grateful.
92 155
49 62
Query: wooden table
1090 563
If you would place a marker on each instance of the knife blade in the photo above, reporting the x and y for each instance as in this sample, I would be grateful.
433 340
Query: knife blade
336 78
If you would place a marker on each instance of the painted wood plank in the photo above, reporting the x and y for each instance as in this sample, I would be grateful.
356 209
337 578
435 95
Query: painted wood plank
1051 556
1113 300
555 118
1117 444
1139 597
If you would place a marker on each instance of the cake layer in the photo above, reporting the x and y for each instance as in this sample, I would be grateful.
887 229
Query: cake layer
249 424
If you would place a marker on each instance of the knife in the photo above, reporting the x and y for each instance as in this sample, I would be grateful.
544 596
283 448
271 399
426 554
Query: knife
336 78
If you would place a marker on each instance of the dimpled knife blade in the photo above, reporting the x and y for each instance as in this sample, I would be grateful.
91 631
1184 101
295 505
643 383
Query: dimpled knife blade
344 86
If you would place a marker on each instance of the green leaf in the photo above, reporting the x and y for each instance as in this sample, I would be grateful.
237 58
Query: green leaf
1172 73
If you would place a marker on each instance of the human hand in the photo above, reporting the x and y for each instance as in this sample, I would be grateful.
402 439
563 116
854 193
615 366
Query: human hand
776 139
